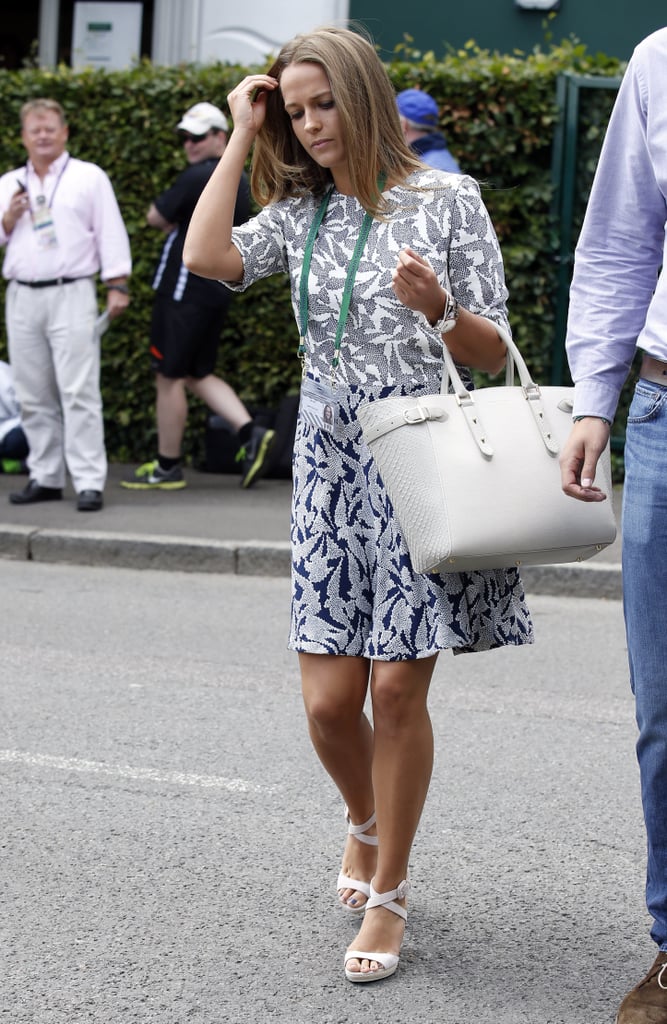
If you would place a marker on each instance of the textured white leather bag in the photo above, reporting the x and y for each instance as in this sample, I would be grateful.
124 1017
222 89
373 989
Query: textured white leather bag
474 476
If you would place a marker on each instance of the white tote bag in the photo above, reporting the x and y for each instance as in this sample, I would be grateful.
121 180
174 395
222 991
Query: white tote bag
474 477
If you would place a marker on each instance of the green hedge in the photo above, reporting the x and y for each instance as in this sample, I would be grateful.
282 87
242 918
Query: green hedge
498 112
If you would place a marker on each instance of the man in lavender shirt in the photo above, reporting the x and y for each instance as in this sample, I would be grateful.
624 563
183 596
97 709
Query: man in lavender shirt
61 225
618 303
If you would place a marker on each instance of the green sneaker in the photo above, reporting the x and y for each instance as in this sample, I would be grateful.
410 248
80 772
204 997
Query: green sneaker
13 466
150 477
253 454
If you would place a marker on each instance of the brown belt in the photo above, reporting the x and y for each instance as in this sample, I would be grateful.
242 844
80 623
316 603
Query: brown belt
654 370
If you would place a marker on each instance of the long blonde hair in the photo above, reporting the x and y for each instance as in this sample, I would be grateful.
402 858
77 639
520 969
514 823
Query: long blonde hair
366 104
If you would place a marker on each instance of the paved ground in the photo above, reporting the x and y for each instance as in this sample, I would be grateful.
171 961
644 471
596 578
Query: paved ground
170 843
212 526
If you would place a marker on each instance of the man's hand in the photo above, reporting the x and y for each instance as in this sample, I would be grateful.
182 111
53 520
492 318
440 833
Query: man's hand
117 301
579 458
18 205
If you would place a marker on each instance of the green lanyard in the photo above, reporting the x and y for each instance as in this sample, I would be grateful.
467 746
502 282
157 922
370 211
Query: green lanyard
349 281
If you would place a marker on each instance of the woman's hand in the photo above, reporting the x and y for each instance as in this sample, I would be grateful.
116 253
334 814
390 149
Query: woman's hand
247 102
474 341
208 249
415 284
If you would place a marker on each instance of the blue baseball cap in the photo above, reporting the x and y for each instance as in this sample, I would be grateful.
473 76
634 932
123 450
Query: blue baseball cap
418 107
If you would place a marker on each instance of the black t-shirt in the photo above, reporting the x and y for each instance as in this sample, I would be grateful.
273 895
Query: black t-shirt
177 205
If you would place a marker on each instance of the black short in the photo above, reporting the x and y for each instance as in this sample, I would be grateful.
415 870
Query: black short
185 337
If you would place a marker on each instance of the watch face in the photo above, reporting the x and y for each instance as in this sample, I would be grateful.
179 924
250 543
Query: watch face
450 316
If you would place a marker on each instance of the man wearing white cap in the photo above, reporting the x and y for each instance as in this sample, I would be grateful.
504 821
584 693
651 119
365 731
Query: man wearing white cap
188 315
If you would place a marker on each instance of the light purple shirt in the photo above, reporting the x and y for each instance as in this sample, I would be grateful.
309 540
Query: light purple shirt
89 228
617 300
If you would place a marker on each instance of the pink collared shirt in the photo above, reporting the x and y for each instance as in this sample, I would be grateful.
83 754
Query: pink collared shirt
89 228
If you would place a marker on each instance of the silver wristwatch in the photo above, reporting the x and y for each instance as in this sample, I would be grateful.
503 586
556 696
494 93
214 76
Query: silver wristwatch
451 314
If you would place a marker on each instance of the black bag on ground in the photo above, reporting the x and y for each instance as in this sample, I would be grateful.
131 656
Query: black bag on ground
284 424
221 444
220 447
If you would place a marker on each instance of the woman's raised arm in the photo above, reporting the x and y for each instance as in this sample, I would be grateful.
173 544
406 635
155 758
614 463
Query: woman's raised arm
209 250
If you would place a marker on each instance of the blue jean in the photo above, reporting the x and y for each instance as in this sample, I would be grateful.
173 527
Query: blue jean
645 606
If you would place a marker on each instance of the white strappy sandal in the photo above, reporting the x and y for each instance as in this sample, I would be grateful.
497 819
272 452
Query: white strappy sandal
389 961
345 881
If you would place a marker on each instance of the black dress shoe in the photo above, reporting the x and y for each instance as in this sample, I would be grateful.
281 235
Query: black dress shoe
35 492
89 501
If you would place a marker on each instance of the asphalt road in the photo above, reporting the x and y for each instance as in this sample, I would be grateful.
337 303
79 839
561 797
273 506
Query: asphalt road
169 843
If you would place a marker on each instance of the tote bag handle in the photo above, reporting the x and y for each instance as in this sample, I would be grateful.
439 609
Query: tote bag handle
531 392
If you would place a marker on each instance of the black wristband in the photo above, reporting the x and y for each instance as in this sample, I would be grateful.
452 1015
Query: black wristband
591 416
118 288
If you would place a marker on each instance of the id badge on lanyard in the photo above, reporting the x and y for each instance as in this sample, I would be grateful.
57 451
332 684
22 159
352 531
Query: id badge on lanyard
43 226
42 217
318 405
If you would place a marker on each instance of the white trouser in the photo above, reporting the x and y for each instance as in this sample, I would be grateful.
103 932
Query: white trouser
54 351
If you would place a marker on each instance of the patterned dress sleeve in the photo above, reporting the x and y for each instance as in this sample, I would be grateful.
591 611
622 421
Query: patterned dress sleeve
476 272
261 243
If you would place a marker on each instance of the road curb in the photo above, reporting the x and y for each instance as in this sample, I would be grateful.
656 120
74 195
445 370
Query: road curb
15 541
135 551
574 579
250 558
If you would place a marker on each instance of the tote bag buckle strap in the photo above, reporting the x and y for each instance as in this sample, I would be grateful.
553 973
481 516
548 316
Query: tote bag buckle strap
408 417
475 425
422 413
533 396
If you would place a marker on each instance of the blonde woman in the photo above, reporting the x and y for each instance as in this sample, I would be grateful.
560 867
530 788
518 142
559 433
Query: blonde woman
388 261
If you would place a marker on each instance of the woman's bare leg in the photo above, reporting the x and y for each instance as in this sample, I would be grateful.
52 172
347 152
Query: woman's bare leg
402 765
334 692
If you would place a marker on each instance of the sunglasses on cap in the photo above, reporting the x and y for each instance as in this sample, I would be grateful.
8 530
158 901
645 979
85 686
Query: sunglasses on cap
189 137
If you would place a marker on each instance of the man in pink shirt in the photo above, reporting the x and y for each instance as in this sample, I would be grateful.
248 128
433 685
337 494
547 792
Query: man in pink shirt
61 225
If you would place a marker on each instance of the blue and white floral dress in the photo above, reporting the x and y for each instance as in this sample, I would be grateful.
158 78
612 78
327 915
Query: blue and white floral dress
354 590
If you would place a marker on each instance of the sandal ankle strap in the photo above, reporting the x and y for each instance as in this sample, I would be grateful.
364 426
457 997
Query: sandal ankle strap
386 899
358 831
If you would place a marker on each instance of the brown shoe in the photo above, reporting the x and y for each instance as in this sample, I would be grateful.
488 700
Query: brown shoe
647 1003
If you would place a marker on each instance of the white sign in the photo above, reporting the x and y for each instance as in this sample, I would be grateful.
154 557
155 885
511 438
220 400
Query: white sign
538 5
248 33
106 35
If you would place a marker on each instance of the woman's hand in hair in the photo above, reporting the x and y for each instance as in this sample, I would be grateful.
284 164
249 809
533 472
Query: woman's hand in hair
247 102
